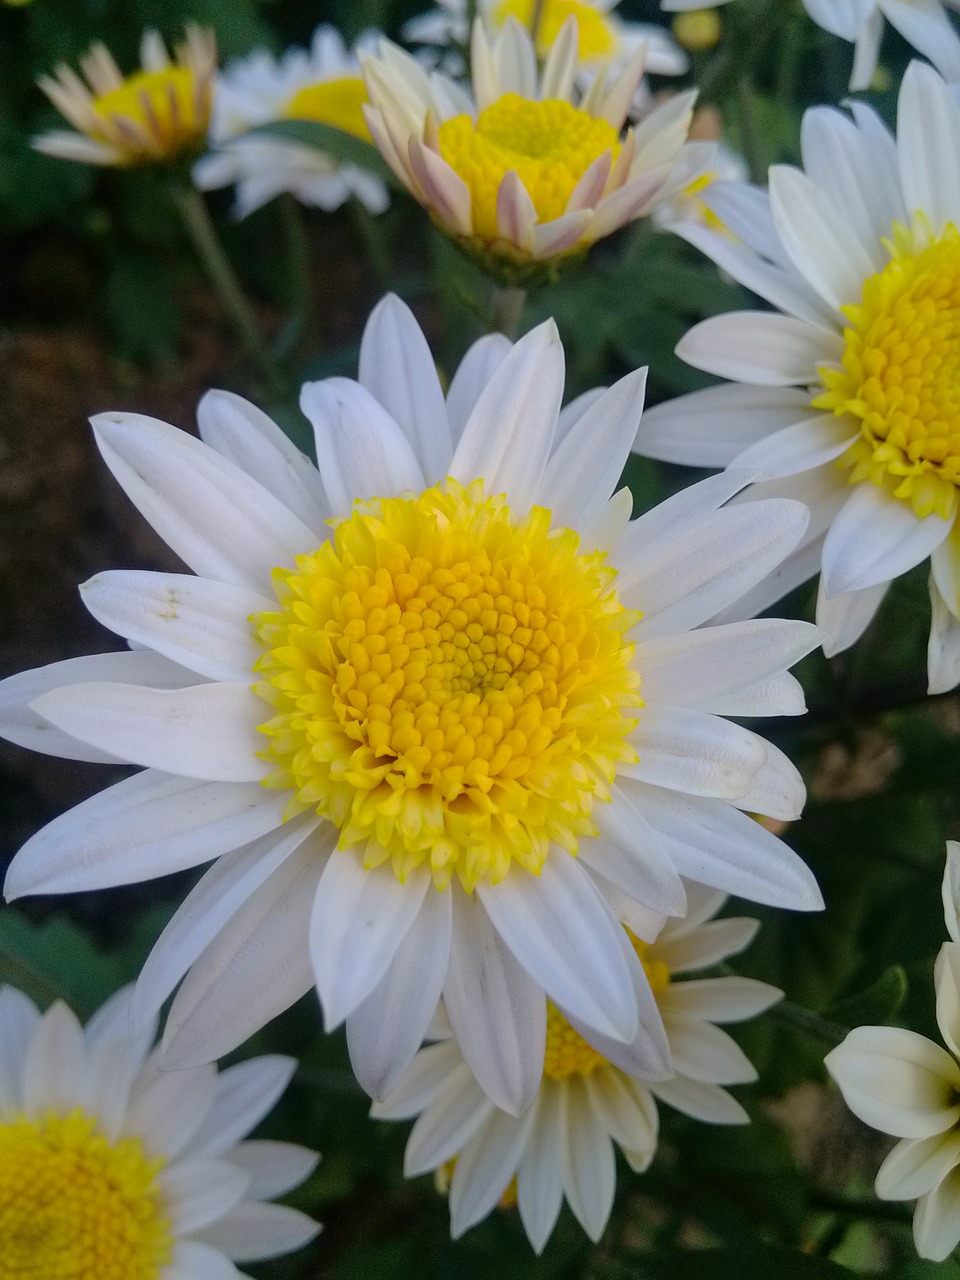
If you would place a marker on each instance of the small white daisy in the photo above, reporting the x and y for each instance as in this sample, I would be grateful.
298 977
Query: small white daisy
322 84
903 1084
113 1170
590 1098
527 169
847 400
403 691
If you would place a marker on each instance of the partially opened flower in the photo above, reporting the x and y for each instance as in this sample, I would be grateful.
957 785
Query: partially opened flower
154 116
589 1100
848 399
903 1084
604 38
113 1170
322 84
527 170
400 705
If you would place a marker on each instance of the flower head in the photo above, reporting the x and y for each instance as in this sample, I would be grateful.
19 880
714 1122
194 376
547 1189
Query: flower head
590 1098
847 400
112 1170
528 171
154 116
410 705
322 84
903 1084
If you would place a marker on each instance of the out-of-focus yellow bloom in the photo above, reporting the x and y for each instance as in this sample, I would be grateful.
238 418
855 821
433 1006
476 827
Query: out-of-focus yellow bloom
697 30
153 116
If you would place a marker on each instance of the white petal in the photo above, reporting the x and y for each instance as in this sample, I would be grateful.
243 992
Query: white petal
586 466
632 858
218 519
694 752
702 947
756 346
730 999
707 1102
540 1175
53 1066
484 1168
473 373
508 437
700 1051
916 1165
845 618
243 433
197 1192
252 1231
875 538
807 444
245 1093
715 844
626 1109
710 428
427 1073
397 368
936 1223
206 731
166 1111
516 212
945 566
196 622
589 1168
209 906
496 1010
457 1111
777 790
19 1017
194 1261
361 451
947 977
950 892
386 1030
928 118
149 825
66 145
565 936
359 920
658 527
274 1168
925 25
897 1081
943 648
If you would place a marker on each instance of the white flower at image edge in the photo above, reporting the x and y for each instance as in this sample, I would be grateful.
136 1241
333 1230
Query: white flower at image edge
563 1144
111 1169
922 23
391 706
903 1084
846 397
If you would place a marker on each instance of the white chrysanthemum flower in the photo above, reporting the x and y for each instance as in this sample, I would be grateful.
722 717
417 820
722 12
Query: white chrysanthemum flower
604 39
528 170
113 1170
903 1084
590 1098
922 23
848 399
323 84
153 116
394 733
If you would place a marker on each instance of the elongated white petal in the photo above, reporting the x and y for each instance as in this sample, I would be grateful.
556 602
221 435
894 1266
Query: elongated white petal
427 1073
874 538
947 975
251 1231
446 193
245 1093
927 118
950 891
692 752
625 1108
396 367
589 1168
945 567
497 1011
361 451
167 1108
897 1081
936 1222
701 1051
845 618
509 435
207 731
756 346
243 433
707 1102
473 373
194 1261
516 212
197 1192
807 444
916 1165
149 825
18 1021
632 858
704 946
777 789
484 1169
198 623
943 648
540 1175
53 1065
720 999
66 145
223 523
274 1167
566 937
710 428
386 1030
457 1111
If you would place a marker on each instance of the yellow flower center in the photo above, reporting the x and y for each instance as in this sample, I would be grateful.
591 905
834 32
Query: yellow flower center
338 103
451 685
567 1053
549 144
597 36
154 114
74 1206
900 372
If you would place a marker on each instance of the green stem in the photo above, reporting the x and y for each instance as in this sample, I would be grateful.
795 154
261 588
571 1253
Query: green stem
203 235
506 310
800 1019
749 134
298 276
793 42
370 230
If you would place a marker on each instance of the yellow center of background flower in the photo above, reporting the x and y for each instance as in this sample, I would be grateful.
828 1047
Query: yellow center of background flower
74 1206
900 374
450 685
597 37
154 114
338 103
567 1053
549 144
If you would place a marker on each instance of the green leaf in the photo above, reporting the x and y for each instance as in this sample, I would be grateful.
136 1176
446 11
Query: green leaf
876 1004
335 142
761 1263
53 960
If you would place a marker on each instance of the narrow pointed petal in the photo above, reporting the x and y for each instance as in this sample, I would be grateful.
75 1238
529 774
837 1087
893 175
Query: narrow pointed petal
695 753
631 856
252 1231
589 1168
943 648
540 1176
759 347
916 1165
458 1110
245 1093
473 373
52 1070
710 428
484 1169
875 538
198 1192
845 618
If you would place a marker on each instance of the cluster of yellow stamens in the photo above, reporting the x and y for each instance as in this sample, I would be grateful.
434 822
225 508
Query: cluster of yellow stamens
550 145
337 102
597 36
567 1053
900 372
451 685
74 1206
